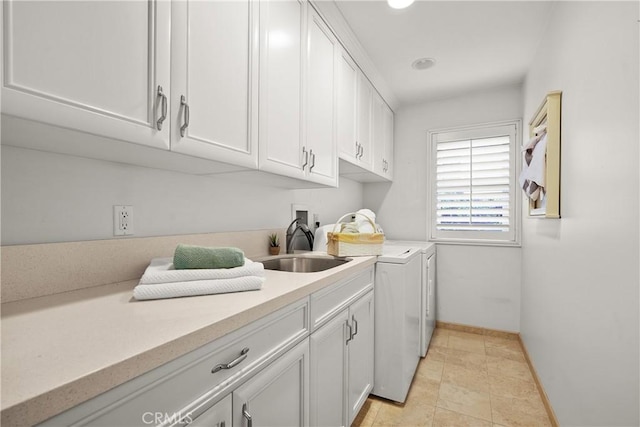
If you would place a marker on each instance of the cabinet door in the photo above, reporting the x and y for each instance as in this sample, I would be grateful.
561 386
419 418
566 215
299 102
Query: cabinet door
366 120
328 372
378 135
277 396
92 66
214 71
387 132
382 129
218 415
280 132
348 145
320 127
360 351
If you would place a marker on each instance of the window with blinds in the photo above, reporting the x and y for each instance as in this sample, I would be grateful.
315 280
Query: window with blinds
473 194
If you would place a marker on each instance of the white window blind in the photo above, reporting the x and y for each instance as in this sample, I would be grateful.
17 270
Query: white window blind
473 184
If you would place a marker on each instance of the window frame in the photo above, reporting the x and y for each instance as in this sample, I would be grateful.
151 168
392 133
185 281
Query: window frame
477 131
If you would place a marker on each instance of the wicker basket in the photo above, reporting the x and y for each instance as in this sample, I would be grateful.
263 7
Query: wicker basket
354 244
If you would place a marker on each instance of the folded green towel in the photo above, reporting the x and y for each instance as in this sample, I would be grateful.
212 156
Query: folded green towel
193 257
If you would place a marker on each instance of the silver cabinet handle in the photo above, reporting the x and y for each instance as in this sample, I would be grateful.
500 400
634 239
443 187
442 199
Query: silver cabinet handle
306 157
163 117
350 333
355 326
313 159
247 415
358 149
233 363
361 151
183 103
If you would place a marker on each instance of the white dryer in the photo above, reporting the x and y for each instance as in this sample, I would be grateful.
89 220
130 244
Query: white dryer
397 320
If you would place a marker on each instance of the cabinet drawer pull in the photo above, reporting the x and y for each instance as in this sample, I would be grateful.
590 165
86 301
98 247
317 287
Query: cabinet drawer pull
361 151
183 103
313 159
164 108
247 415
355 326
233 363
306 157
350 333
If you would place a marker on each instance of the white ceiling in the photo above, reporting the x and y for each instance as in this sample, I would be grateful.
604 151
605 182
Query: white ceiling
476 44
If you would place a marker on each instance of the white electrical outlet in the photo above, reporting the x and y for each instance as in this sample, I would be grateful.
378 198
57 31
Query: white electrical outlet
122 220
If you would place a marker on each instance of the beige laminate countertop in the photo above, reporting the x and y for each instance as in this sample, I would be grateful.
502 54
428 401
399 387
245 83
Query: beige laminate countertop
63 349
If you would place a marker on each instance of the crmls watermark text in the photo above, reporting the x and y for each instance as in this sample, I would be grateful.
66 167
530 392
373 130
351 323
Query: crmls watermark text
165 417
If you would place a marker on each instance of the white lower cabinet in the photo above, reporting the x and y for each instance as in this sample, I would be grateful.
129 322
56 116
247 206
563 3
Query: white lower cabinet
219 415
360 355
328 372
277 396
186 388
309 363
342 360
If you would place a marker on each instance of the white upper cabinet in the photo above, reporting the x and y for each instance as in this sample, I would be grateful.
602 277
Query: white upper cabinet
366 142
387 130
280 132
354 113
297 135
101 67
217 86
214 73
382 138
365 111
320 123
348 145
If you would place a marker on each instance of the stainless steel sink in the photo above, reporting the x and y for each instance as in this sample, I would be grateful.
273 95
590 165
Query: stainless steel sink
299 264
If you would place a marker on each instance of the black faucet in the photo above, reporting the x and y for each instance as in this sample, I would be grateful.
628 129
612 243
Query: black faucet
293 229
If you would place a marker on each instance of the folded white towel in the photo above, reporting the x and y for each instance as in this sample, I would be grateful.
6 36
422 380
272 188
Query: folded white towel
350 227
368 213
197 287
161 270
365 228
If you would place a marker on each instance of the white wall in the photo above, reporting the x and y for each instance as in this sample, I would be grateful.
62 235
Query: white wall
57 198
471 289
580 273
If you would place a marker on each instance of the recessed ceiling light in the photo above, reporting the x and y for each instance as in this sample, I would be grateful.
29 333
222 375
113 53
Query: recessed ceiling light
399 4
423 63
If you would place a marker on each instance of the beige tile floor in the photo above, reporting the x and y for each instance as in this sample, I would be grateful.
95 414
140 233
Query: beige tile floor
465 380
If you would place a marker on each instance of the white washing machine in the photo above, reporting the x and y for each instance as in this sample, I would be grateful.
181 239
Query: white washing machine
428 289
398 284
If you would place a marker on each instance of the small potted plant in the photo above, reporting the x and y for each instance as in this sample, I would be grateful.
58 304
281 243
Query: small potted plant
274 244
